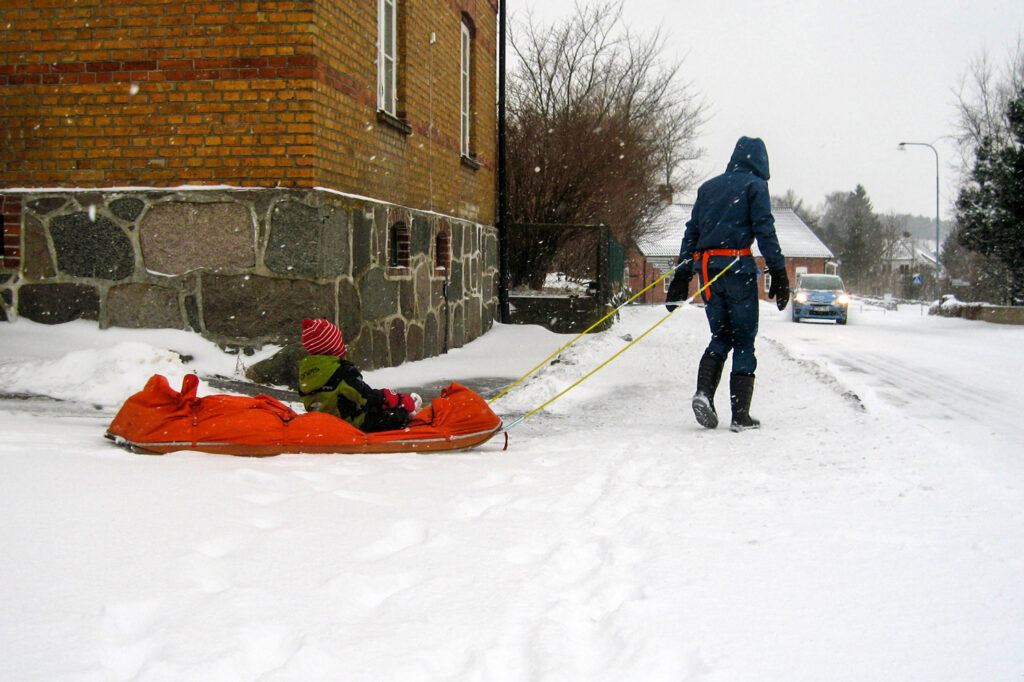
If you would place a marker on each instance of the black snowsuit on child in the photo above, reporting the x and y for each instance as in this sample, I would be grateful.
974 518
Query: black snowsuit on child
334 385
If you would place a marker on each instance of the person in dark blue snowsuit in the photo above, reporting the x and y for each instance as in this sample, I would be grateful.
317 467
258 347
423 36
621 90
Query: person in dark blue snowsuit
731 211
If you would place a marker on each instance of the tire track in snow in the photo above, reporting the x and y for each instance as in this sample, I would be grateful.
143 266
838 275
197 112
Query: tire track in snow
920 391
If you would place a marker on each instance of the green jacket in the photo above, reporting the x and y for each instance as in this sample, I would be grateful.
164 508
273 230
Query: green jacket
334 385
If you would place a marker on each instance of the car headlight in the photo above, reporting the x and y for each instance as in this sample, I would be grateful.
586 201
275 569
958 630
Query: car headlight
801 297
843 299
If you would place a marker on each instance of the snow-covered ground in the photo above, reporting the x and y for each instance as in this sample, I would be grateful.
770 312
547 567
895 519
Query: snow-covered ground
873 529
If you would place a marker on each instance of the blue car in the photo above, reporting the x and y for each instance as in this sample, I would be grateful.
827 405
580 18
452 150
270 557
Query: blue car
820 297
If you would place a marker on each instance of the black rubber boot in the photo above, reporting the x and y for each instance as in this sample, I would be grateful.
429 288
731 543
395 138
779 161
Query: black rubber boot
741 390
709 373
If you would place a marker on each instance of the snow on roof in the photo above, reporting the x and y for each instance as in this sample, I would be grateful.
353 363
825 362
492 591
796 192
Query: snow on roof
796 239
916 250
666 234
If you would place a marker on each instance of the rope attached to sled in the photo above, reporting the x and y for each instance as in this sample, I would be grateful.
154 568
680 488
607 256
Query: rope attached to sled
526 416
585 331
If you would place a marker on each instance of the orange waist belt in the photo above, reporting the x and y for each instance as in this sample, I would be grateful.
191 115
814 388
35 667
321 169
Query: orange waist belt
705 256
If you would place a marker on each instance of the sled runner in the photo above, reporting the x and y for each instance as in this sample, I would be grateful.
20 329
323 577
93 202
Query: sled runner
159 419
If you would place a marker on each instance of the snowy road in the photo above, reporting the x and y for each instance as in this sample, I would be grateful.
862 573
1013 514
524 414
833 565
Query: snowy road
936 370
868 538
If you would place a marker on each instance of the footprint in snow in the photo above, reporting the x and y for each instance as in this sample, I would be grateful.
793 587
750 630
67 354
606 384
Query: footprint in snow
368 498
220 547
498 479
524 554
132 618
317 480
266 520
126 636
264 499
370 591
402 536
476 507
262 488
210 577
248 475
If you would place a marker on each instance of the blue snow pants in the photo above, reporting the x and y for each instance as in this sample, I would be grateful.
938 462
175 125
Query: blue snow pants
732 314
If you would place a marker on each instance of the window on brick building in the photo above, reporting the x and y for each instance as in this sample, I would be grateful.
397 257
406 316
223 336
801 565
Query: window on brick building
466 91
398 246
443 251
387 56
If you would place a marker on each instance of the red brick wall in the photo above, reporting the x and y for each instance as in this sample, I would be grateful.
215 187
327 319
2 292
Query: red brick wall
362 154
164 93
156 92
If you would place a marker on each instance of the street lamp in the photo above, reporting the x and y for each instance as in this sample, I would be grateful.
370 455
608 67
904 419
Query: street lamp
902 147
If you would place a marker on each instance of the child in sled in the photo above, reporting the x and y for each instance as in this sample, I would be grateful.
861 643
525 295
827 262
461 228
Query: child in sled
330 383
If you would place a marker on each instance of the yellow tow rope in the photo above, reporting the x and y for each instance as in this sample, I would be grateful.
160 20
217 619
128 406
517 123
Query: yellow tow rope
623 350
582 333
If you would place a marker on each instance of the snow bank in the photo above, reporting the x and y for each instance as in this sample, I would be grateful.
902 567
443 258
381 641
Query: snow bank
79 362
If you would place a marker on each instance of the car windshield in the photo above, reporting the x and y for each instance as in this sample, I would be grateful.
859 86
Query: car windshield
821 282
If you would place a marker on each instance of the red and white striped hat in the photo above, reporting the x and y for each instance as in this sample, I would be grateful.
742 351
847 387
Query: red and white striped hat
320 337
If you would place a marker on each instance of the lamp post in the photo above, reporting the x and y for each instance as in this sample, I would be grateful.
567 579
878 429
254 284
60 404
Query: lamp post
902 147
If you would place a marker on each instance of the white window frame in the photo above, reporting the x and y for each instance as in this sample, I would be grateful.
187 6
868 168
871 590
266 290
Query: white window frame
387 55
465 82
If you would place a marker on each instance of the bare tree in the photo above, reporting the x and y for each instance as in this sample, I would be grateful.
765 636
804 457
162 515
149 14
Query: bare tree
597 120
791 200
983 97
895 238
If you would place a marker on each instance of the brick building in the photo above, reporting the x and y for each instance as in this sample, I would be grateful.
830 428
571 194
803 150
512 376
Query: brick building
658 253
231 167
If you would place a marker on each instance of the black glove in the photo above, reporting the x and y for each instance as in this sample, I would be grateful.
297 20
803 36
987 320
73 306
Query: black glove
679 288
779 289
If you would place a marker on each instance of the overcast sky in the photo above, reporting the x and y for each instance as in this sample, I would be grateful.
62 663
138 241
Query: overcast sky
831 87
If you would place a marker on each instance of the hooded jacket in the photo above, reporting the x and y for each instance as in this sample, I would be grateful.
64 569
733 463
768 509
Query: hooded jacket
732 210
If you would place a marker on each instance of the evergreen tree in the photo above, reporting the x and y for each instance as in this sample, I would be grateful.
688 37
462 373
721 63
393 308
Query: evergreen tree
974 277
990 208
855 235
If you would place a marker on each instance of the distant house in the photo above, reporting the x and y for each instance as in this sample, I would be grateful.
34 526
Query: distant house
656 254
910 269
908 257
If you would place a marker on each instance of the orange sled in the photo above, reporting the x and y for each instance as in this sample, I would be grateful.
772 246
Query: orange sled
159 419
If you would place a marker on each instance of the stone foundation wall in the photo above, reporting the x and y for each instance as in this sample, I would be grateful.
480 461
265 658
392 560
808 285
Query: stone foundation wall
243 267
